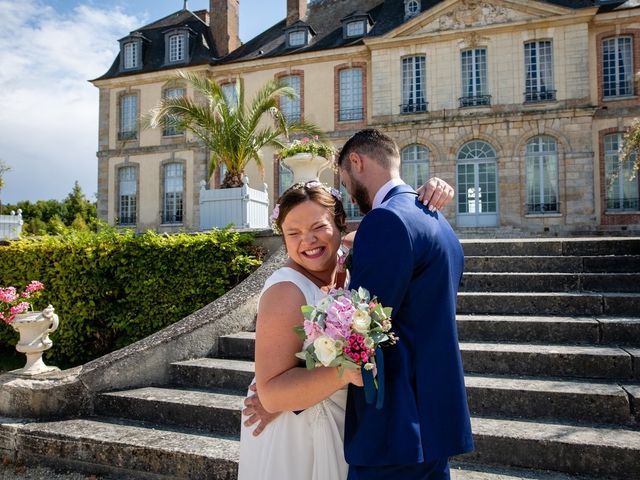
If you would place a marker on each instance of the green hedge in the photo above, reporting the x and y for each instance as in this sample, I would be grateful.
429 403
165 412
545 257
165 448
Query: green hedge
111 289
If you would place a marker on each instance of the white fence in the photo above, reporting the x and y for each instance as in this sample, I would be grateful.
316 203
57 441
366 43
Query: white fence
243 207
11 226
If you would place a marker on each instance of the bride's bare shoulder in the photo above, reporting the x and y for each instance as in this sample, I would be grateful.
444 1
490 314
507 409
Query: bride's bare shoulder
281 300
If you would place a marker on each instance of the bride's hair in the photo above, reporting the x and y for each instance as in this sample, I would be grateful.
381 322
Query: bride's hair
317 192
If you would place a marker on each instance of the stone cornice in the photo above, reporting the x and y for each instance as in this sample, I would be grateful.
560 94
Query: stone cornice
124 152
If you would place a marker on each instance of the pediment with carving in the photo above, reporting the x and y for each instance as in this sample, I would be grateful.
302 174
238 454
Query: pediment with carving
474 13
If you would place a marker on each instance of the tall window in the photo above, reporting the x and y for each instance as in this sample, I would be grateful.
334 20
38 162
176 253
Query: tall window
171 127
414 84
286 178
128 117
351 94
617 67
130 52
176 47
542 175
351 209
415 165
622 188
291 106
230 93
127 195
172 201
474 78
538 64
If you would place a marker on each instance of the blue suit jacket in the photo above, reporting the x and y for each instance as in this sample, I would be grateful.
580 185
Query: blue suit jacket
412 261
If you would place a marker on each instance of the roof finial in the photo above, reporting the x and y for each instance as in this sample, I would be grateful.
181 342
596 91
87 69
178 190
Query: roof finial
186 4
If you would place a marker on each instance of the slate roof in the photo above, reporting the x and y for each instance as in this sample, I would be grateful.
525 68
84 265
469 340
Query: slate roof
322 16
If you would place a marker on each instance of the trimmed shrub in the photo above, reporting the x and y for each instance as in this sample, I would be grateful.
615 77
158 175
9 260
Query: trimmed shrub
111 289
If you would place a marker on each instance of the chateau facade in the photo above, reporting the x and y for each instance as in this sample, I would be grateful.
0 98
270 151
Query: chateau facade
520 105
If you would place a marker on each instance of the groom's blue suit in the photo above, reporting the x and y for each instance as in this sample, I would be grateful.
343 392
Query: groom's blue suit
412 261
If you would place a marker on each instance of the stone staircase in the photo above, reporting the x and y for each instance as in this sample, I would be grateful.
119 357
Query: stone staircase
550 339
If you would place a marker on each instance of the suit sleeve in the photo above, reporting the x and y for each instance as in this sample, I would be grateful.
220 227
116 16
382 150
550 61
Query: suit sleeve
382 257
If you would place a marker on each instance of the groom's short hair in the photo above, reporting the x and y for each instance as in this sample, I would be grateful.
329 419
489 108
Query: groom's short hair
375 145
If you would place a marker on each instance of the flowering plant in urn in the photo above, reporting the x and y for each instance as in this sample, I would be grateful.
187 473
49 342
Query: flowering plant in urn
13 302
308 145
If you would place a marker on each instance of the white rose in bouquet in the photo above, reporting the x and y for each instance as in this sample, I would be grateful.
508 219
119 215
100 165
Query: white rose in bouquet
325 349
361 321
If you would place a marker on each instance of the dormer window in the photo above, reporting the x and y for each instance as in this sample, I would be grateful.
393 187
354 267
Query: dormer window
411 8
177 46
131 52
297 39
131 55
355 29
298 35
356 25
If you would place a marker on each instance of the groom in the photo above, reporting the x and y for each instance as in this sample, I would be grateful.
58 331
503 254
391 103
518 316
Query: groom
411 259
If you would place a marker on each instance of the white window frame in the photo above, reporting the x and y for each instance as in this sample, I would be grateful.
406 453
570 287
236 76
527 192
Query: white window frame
173 193
128 117
622 187
130 54
617 87
127 195
297 38
473 69
414 84
230 94
356 28
414 164
541 158
351 94
176 44
292 107
173 92
411 8
539 71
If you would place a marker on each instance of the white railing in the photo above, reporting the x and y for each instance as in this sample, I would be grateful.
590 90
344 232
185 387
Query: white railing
11 226
244 207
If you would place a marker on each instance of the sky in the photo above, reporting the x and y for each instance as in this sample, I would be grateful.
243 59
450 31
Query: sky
49 49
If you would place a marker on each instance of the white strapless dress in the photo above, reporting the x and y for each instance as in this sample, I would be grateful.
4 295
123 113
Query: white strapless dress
307 446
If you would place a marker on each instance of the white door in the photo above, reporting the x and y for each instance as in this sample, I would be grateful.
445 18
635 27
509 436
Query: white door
477 185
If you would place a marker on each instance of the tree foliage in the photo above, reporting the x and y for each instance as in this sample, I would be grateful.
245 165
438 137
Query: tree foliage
233 132
631 147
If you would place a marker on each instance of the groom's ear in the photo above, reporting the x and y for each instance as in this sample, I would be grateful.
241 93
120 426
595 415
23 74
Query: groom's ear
356 161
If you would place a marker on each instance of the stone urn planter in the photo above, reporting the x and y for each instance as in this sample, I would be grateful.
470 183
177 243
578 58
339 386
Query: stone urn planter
34 329
306 166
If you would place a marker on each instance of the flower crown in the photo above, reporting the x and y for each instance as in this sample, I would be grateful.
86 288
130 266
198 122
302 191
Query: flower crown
312 184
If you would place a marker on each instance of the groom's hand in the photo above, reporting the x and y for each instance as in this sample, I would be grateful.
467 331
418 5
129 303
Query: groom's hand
256 412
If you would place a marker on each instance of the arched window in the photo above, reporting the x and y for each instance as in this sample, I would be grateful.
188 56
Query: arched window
414 168
542 175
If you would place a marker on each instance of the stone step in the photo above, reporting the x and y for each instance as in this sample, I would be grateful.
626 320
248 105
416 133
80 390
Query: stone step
550 399
590 402
143 451
127 449
552 247
550 330
206 410
233 375
545 303
601 452
502 328
553 264
547 360
550 282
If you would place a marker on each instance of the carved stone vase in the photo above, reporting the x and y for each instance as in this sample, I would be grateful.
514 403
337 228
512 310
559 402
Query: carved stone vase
34 329
306 166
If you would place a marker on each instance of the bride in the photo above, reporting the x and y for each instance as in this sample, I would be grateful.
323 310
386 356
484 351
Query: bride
305 441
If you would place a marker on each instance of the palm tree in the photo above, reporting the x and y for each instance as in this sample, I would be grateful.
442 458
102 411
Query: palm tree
233 132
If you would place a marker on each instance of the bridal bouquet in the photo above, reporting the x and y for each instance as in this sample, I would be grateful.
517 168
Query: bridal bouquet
344 329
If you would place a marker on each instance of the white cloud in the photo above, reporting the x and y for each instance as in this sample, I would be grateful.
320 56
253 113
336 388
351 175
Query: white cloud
49 114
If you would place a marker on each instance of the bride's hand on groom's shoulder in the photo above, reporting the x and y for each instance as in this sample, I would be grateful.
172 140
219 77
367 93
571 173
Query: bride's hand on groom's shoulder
435 193
256 412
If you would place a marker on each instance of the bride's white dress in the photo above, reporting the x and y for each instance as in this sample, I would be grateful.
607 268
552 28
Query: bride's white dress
307 446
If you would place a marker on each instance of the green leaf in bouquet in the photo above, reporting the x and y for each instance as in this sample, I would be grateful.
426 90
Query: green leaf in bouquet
363 293
308 312
311 363
302 355
379 337
299 331
349 364
387 311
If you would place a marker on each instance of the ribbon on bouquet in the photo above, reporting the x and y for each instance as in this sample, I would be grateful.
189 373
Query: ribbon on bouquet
371 394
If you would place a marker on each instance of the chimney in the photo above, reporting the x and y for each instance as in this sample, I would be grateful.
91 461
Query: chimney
224 25
202 15
296 10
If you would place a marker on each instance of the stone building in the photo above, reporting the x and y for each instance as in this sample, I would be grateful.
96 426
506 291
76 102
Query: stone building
520 104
